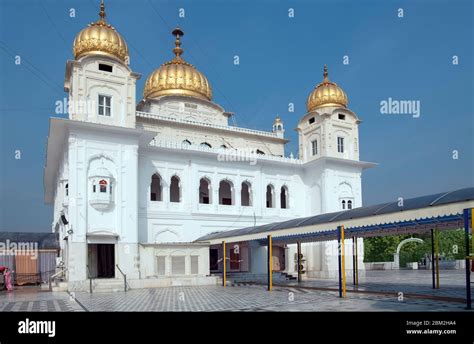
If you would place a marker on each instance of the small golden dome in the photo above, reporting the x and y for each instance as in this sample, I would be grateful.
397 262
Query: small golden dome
177 77
326 93
100 38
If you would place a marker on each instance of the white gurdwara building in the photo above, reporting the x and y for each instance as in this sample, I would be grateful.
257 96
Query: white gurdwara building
134 185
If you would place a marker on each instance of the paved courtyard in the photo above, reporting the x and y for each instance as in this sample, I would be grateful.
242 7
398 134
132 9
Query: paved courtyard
30 299
452 283
290 297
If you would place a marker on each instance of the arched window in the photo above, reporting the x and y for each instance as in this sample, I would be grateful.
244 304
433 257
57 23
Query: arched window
175 189
270 196
66 189
260 152
343 203
205 145
284 197
245 194
314 147
186 143
340 144
156 188
349 204
103 185
204 191
225 192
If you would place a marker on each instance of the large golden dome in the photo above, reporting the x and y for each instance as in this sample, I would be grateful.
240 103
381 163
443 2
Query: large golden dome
327 93
177 77
100 38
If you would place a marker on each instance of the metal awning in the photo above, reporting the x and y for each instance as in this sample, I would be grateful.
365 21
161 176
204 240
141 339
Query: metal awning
414 215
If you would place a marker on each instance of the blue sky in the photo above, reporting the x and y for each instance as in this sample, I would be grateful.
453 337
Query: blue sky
281 60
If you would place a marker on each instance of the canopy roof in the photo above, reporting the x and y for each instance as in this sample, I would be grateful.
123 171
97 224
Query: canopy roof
419 214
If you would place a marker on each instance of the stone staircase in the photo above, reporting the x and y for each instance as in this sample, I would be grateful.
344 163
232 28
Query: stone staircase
108 285
56 285
60 286
290 276
245 277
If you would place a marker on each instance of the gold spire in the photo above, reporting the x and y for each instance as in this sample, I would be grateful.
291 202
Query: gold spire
178 33
100 38
102 11
325 74
177 77
327 93
177 50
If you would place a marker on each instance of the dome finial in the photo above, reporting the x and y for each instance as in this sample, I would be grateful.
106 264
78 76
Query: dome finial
277 125
102 11
100 38
177 77
326 93
325 74
178 33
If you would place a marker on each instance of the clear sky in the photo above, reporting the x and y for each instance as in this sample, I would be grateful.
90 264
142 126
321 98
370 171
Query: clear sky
281 60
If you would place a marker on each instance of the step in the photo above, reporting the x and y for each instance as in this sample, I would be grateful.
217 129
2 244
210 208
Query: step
59 286
55 286
107 285
107 281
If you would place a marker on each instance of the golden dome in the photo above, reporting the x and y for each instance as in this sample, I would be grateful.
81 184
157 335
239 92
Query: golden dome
326 93
100 38
177 77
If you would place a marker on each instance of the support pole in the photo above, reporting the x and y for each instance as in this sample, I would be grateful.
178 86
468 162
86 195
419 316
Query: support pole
353 261
468 261
437 257
357 263
224 265
341 262
270 263
433 277
298 250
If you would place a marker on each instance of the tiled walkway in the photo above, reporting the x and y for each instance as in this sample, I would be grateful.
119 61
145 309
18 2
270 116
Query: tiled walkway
30 299
253 298
452 282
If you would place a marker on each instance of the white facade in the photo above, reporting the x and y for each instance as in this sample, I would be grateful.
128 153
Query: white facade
138 184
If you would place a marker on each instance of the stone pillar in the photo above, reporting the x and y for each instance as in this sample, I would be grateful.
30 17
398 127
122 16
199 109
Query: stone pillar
396 261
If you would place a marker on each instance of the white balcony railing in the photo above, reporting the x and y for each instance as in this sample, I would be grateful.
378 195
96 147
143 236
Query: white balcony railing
208 125
226 154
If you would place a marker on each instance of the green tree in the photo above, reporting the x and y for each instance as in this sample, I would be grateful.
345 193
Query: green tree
382 249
